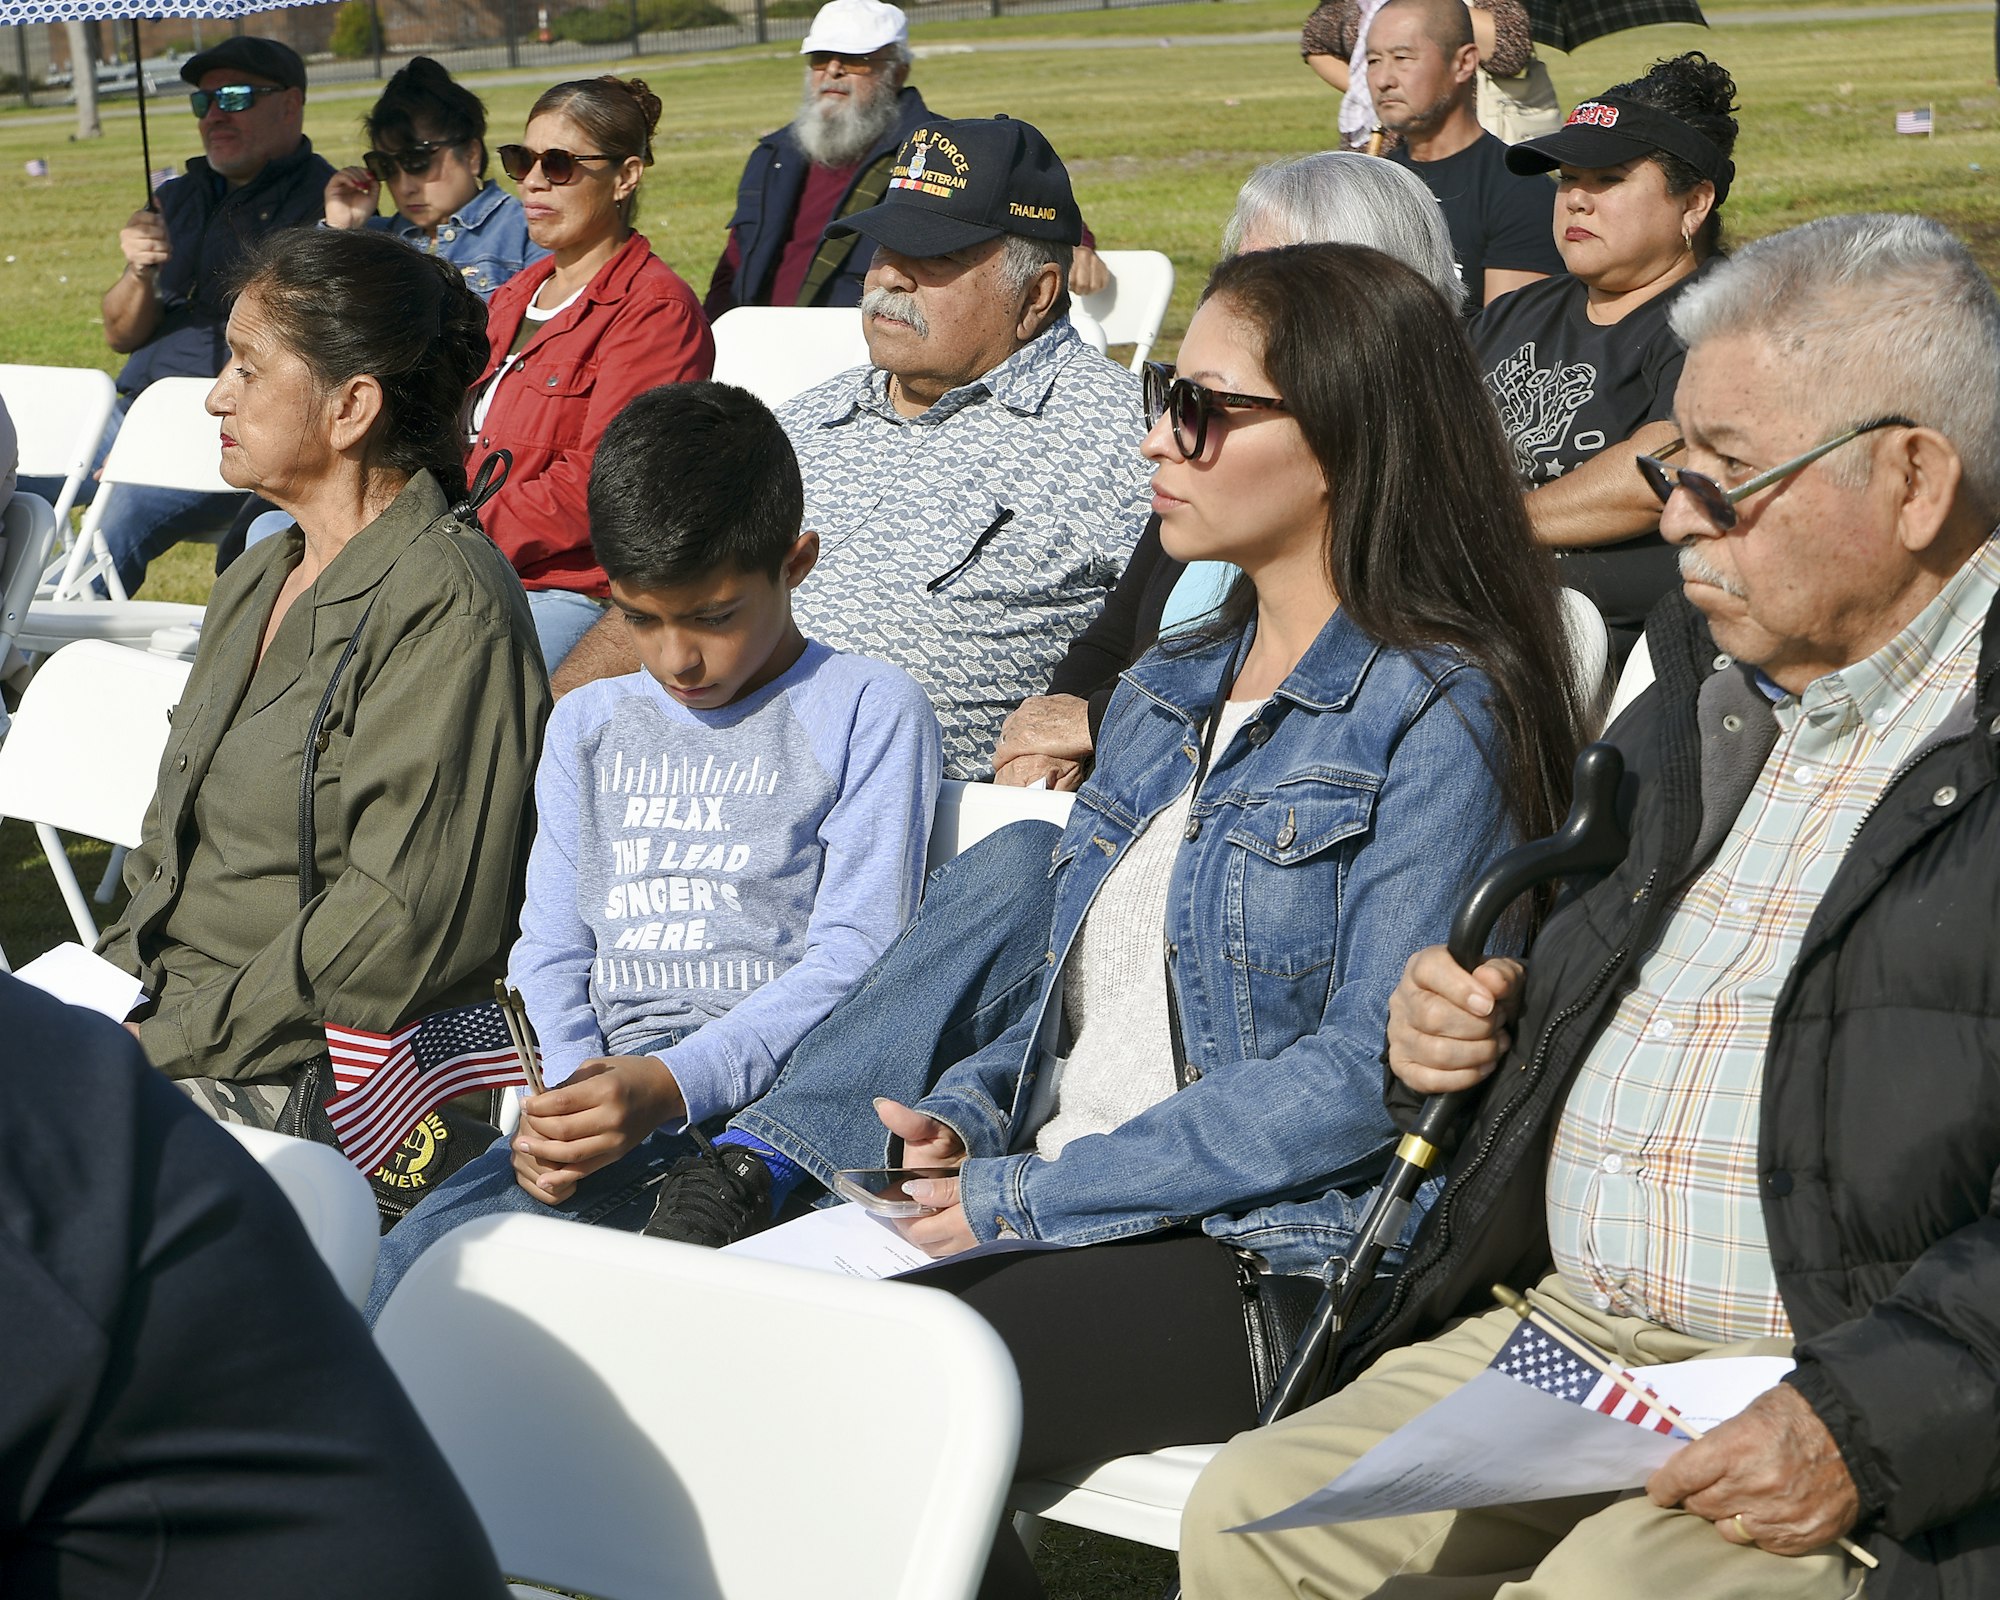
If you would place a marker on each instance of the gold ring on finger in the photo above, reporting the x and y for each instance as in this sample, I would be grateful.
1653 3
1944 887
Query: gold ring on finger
1743 1534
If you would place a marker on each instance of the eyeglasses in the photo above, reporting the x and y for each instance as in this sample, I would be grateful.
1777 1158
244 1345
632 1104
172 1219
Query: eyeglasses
558 166
861 66
230 97
414 159
1719 504
1189 406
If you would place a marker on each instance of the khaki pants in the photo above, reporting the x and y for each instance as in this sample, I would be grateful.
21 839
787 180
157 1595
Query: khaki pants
1583 1548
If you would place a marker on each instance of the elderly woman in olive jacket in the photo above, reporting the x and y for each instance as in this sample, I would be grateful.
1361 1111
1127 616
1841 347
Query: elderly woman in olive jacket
349 357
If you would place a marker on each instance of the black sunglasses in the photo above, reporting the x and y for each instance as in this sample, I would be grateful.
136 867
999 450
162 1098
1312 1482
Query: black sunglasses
1718 503
558 166
860 66
414 159
230 97
1189 406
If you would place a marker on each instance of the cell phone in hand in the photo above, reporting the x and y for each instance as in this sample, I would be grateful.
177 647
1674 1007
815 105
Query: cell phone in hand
881 1189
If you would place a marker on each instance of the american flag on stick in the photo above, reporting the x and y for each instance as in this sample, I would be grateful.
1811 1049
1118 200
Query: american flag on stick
1918 121
1533 1358
385 1082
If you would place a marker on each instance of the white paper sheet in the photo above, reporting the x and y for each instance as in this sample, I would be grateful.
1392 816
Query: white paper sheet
1497 1441
81 977
846 1238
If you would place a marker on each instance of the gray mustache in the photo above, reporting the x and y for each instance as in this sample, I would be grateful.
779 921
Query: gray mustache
1693 566
900 305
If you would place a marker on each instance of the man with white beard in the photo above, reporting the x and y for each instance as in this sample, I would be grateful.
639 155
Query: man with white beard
830 161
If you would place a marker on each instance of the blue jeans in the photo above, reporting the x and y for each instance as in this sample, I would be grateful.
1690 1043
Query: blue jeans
562 616
618 1196
960 975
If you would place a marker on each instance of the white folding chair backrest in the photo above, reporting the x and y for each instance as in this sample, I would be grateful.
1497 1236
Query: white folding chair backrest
27 534
168 441
777 352
726 1429
332 1200
1634 681
1589 649
968 812
84 751
1133 305
59 415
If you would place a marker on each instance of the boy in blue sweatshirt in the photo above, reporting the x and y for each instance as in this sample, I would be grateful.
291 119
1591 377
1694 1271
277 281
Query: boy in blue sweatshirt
727 841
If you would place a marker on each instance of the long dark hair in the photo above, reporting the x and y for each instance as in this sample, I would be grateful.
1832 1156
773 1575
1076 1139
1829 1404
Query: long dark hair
1427 543
354 304
423 92
1701 93
619 114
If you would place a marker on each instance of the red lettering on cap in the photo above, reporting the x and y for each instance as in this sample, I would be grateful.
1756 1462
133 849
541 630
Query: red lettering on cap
1595 113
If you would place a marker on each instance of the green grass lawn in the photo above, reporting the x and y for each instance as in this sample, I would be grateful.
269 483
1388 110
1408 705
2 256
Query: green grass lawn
1157 140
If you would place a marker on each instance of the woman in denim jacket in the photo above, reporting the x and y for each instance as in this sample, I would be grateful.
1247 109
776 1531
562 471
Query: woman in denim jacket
1283 809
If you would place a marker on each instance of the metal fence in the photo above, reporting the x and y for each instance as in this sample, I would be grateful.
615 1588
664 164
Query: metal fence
357 40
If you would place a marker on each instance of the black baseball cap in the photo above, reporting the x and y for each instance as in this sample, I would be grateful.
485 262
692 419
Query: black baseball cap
959 183
1611 130
267 58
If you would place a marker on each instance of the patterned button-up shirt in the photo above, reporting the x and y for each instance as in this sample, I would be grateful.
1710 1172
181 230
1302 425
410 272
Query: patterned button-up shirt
969 545
1652 1190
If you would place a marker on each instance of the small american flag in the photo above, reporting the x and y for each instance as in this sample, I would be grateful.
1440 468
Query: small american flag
385 1082
1533 1358
1918 121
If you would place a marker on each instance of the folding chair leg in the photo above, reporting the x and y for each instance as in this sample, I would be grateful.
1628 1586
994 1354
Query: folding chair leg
72 891
108 886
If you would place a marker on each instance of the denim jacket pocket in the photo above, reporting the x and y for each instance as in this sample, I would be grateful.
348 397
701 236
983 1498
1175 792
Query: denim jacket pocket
1285 873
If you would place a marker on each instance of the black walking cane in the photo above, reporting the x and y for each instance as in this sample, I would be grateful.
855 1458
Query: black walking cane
1591 839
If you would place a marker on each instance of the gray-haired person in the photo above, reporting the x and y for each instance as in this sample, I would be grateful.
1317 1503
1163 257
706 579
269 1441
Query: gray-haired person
1330 197
1740 1097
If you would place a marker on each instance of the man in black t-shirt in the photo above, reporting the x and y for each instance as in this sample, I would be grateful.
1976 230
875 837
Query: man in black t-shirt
1422 66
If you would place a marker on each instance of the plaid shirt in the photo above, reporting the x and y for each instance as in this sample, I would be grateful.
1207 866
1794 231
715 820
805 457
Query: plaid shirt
1652 1188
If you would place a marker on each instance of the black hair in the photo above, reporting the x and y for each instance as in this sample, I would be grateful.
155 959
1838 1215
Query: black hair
619 114
1701 93
1428 544
423 92
690 478
354 304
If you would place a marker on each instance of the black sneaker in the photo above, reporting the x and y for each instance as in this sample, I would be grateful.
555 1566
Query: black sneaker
714 1197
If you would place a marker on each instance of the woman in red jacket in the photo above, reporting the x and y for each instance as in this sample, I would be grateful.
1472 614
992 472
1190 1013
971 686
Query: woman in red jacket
574 338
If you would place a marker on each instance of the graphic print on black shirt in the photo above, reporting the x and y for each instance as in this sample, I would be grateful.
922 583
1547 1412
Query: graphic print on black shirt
1537 405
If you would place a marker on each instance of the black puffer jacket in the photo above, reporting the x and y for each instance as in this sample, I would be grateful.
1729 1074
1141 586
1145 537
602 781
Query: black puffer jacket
1879 1151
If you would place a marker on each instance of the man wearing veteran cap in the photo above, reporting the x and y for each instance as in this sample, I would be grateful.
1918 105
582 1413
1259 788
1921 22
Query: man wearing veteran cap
257 173
978 488
1583 366
831 160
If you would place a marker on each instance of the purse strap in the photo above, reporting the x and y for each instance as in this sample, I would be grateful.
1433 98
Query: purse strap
316 741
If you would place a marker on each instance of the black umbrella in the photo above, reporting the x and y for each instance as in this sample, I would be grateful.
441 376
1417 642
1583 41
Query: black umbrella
1565 24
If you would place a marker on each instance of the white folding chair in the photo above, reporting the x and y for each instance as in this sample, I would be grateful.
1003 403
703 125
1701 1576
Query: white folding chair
168 441
1634 681
1131 307
27 534
777 352
968 812
332 1200
732 1426
84 752
59 415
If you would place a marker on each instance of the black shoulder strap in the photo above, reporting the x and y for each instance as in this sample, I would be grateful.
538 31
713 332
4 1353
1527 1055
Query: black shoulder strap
316 741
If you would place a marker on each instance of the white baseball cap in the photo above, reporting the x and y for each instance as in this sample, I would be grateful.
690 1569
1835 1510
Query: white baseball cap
855 28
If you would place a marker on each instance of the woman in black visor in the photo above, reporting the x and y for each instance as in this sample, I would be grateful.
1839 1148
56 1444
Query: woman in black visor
1583 366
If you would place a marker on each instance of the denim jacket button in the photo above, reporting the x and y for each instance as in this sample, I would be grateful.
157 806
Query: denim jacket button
1193 831
1259 732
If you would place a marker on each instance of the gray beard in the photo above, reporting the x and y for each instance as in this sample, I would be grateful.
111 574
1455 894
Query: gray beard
853 127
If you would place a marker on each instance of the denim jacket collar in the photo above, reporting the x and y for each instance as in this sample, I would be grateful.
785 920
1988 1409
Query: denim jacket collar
1327 678
470 215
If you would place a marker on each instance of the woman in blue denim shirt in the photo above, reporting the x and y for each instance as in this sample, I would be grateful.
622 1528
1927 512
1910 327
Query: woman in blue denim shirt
1283 809
428 148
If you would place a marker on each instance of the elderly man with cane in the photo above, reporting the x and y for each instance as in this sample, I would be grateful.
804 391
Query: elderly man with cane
1740 1097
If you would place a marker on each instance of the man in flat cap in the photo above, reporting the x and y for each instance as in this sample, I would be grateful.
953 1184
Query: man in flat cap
167 311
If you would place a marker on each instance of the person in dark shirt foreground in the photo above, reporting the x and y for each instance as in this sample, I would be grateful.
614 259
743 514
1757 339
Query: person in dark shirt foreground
192 1411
